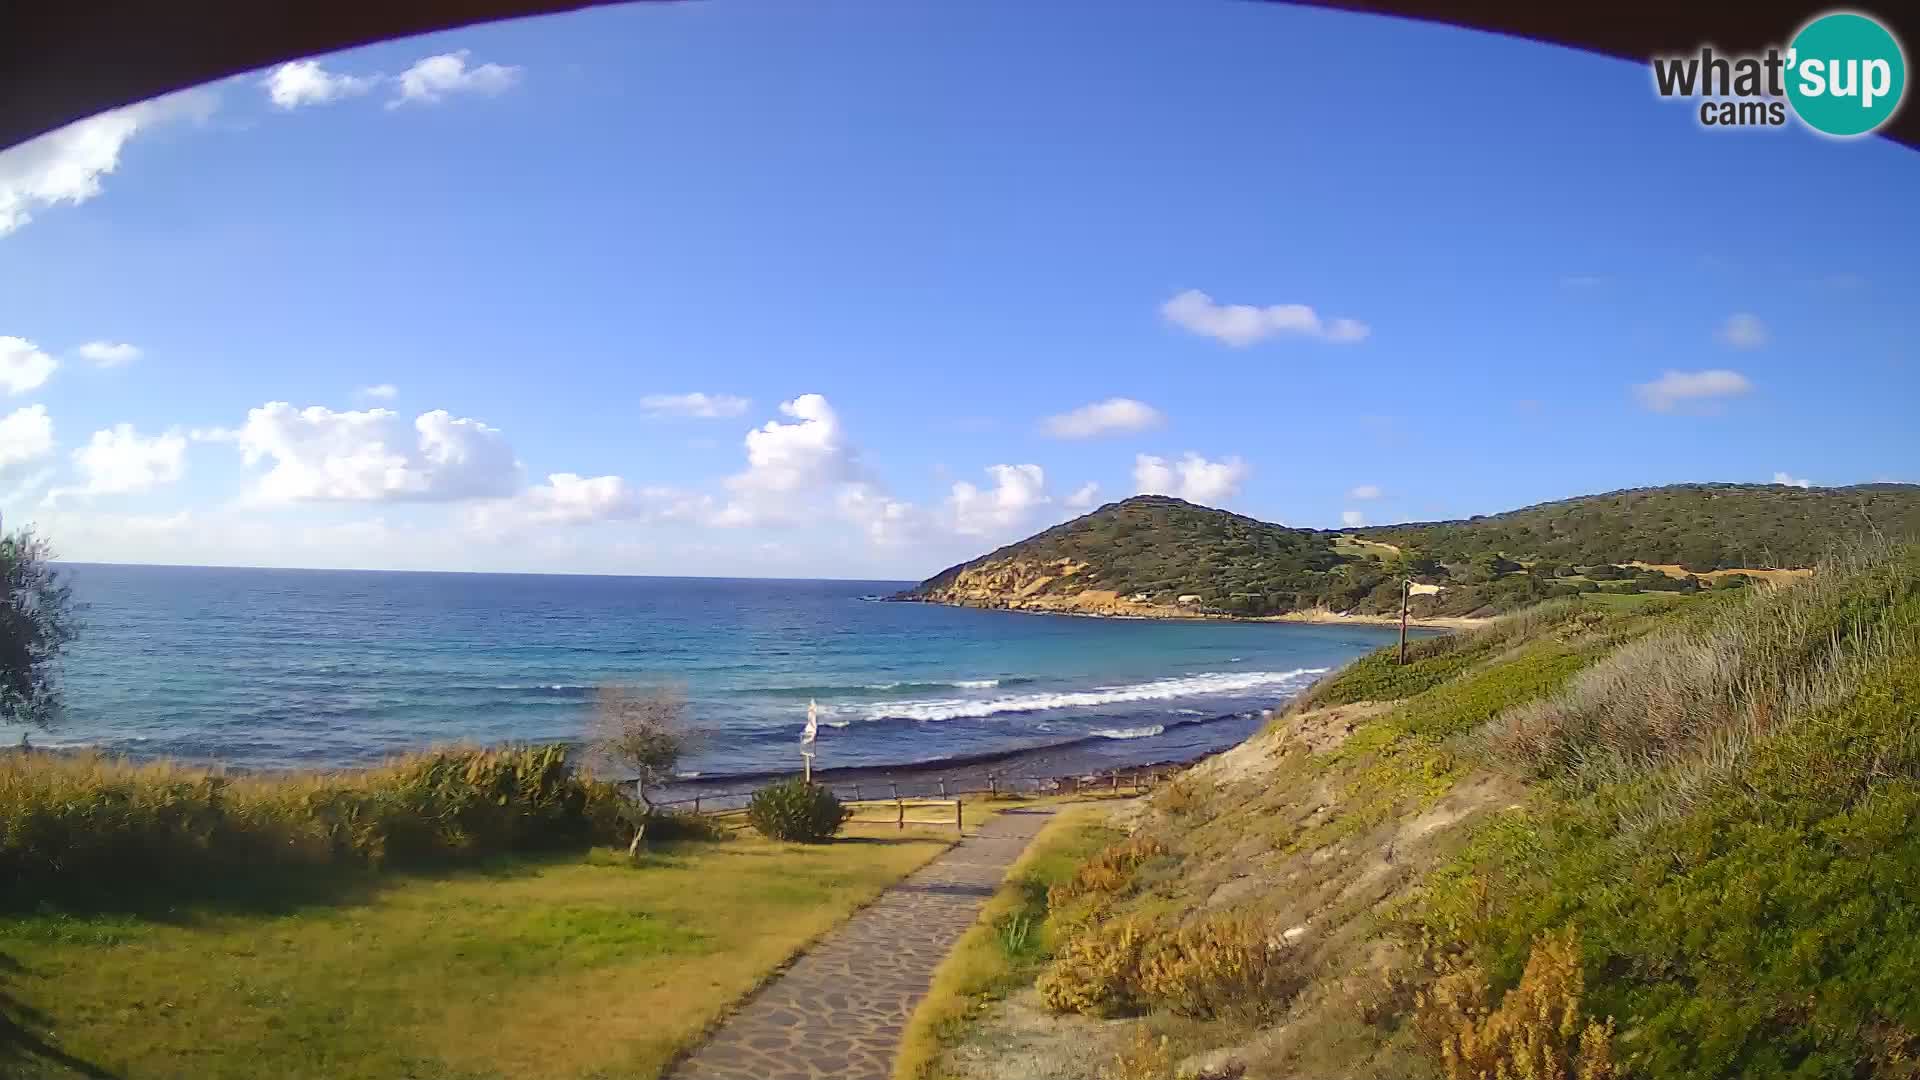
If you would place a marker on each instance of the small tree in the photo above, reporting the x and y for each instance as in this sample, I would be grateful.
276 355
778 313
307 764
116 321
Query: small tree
644 732
37 621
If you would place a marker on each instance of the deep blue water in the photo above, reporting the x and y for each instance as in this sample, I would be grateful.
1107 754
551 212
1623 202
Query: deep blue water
275 668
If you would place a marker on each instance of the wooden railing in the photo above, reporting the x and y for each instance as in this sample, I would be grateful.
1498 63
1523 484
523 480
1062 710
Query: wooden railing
729 809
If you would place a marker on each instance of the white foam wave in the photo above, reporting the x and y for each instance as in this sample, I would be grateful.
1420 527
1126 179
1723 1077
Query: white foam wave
1131 732
977 684
1199 685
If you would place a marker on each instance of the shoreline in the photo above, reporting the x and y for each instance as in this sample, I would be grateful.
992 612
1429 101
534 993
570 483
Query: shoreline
1305 617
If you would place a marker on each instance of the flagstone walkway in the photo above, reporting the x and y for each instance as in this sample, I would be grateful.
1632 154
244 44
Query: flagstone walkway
838 1012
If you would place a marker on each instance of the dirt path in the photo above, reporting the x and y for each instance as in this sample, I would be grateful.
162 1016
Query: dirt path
839 1010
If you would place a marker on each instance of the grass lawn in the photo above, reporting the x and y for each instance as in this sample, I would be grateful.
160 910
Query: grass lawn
572 966
1004 950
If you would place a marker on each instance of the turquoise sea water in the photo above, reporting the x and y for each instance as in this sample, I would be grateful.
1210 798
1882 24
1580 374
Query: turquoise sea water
276 668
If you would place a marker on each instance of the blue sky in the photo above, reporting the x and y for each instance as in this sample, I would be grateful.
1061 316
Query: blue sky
1310 266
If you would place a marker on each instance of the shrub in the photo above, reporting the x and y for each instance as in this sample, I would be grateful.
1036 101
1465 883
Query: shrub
1223 965
795 810
1107 874
1097 972
93 823
1536 1033
1142 1058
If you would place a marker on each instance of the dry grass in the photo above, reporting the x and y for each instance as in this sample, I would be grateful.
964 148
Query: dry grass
1697 697
1537 1032
1775 577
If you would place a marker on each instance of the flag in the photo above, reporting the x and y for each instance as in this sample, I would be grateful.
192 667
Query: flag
1414 588
813 724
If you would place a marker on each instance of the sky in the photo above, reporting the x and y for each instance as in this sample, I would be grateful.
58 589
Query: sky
864 288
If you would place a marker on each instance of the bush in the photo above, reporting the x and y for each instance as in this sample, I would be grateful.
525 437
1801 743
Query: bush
1107 874
1536 1033
92 823
1097 972
795 810
1225 965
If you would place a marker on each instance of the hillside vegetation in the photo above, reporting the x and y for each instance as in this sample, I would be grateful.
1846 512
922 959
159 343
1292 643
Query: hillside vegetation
1154 555
1681 841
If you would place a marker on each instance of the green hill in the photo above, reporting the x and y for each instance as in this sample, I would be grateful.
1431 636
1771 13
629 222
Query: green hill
1578 843
1154 555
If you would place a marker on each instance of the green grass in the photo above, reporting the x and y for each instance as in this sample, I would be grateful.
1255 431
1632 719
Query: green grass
1009 944
580 965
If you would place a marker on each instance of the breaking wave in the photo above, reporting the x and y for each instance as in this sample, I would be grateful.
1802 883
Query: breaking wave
1201 685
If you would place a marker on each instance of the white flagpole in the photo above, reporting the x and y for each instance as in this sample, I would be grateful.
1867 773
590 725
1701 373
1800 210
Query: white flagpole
807 736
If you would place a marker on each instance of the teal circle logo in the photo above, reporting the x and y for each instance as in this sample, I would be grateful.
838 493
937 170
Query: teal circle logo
1845 74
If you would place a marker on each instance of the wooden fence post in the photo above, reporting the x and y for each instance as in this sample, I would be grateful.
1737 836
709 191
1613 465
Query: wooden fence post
958 825
901 809
1116 782
696 804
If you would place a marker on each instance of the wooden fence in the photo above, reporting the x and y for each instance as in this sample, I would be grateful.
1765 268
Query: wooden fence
864 797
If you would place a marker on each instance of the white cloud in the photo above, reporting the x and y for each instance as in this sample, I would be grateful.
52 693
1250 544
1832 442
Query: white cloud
1742 331
23 365
375 455
25 435
1365 492
1352 519
1193 477
572 499
1676 389
698 405
1245 324
1114 415
65 166
429 81
305 82
385 391
887 521
1791 481
1085 497
1017 491
117 461
786 461
108 353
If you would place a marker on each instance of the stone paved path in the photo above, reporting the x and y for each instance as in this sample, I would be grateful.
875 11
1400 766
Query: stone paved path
839 1010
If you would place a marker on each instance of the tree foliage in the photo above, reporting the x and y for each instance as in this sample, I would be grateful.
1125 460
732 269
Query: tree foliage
37 621
642 732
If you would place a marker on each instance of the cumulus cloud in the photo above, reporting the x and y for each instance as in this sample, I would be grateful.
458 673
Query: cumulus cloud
1791 481
697 405
108 353
1365 492
1109 417
66 166
785 461
431 80
24 366
1675 390
1742 331
385 391
118 461
1193 477
1352 519
373 455
1245 324
305 82
887 521
1017 491
25 435
572 499
1085 497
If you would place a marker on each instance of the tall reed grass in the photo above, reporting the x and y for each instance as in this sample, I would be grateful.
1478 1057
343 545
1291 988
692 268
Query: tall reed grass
92 822
1688 703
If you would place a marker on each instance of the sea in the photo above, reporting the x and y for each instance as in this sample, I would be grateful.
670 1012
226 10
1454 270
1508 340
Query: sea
262 669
